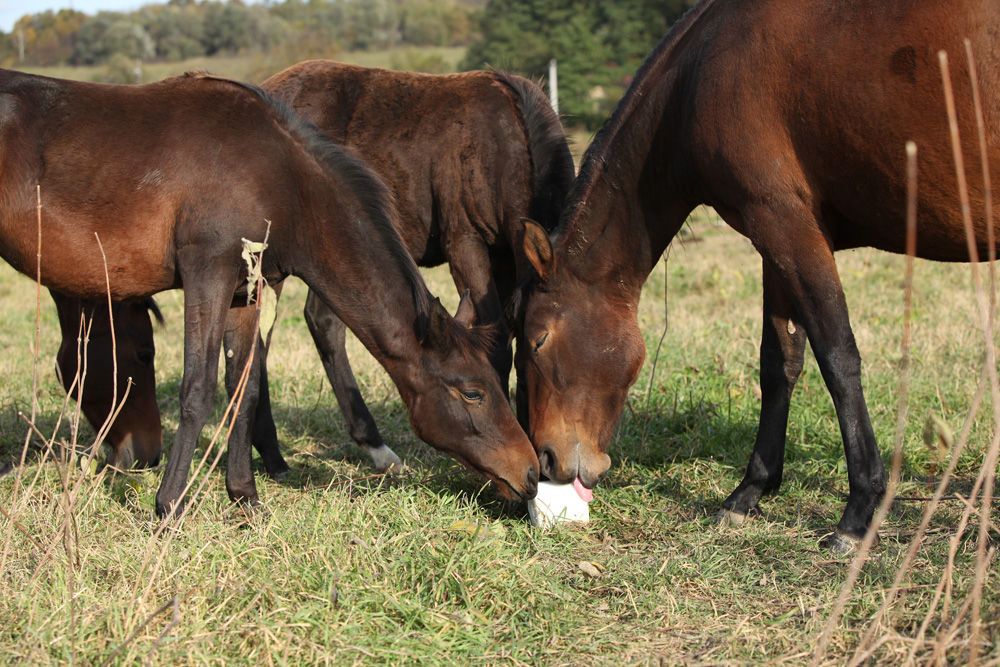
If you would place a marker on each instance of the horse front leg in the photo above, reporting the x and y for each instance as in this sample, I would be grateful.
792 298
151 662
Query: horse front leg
206 301
470 264
792 243
330 335
782 350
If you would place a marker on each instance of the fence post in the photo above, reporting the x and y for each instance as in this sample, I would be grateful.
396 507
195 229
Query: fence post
553 86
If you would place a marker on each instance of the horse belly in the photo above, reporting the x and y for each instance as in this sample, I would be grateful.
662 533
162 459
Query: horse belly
129 258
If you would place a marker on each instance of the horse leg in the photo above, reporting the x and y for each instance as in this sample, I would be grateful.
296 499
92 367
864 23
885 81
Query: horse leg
265 433
791 242
782 350
506 278
329 333
206 301
469 261
241 333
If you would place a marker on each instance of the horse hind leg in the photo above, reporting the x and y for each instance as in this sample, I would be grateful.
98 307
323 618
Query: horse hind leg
782 352
329 333
239 349
265 433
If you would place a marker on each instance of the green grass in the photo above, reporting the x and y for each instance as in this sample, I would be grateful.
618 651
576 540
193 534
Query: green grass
431 568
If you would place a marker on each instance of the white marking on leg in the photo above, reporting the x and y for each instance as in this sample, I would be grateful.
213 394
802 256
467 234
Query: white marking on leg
385 459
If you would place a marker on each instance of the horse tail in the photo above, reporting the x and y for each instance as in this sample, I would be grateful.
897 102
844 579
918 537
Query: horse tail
552 162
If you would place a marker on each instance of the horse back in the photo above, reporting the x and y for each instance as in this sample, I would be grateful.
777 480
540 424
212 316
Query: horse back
815 100
128 174
460 149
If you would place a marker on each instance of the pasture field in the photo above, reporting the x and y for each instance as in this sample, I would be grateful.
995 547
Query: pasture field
429 567
257 67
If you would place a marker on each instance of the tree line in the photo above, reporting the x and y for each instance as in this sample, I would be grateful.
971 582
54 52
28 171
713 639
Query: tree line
182 29
597 43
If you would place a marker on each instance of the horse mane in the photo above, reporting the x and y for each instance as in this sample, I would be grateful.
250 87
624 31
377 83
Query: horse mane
373 195
595 157
552 162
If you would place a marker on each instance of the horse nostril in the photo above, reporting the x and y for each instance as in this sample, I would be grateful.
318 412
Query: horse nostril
547 461
531 483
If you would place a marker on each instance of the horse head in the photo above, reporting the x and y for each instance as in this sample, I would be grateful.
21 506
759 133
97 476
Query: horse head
582 351
136 436
461 408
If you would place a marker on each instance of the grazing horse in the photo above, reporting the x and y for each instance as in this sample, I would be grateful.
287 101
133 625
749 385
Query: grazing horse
135 435
157 186
467 156
790 118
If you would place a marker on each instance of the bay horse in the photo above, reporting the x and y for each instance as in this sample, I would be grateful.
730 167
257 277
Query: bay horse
467 156
135 435
156 186
790 118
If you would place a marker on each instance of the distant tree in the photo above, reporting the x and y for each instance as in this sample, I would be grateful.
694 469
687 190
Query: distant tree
128 39
119 69
181 29
372 24
597 44
177 30
435 23
46 38
226 28
90 46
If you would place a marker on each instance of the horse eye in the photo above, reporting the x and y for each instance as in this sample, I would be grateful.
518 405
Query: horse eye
540 342
145 357
473 396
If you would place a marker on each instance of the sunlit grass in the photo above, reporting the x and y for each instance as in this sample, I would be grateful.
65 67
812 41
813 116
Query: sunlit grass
431 568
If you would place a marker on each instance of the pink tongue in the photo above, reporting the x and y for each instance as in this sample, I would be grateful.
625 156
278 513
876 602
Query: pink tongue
586 495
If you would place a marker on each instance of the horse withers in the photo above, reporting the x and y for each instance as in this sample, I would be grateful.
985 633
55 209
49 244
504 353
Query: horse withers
135 434
467 157
790 118
165 180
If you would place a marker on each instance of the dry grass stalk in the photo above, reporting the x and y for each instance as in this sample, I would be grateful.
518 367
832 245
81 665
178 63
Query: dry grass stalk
985 481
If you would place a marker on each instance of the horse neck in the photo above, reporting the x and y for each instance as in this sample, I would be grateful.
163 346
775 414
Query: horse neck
370 282
630 200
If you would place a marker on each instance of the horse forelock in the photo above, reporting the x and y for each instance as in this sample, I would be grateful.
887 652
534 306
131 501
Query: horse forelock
361 180
475 340
596 155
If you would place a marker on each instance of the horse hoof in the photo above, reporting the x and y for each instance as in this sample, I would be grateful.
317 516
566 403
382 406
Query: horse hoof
169 511
839 543
280 475
385 460
729 519
6 468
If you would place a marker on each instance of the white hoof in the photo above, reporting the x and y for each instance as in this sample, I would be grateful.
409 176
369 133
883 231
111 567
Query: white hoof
385 460
729 519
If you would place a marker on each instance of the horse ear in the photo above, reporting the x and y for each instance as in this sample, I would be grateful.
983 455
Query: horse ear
538 248
439 330
466 311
